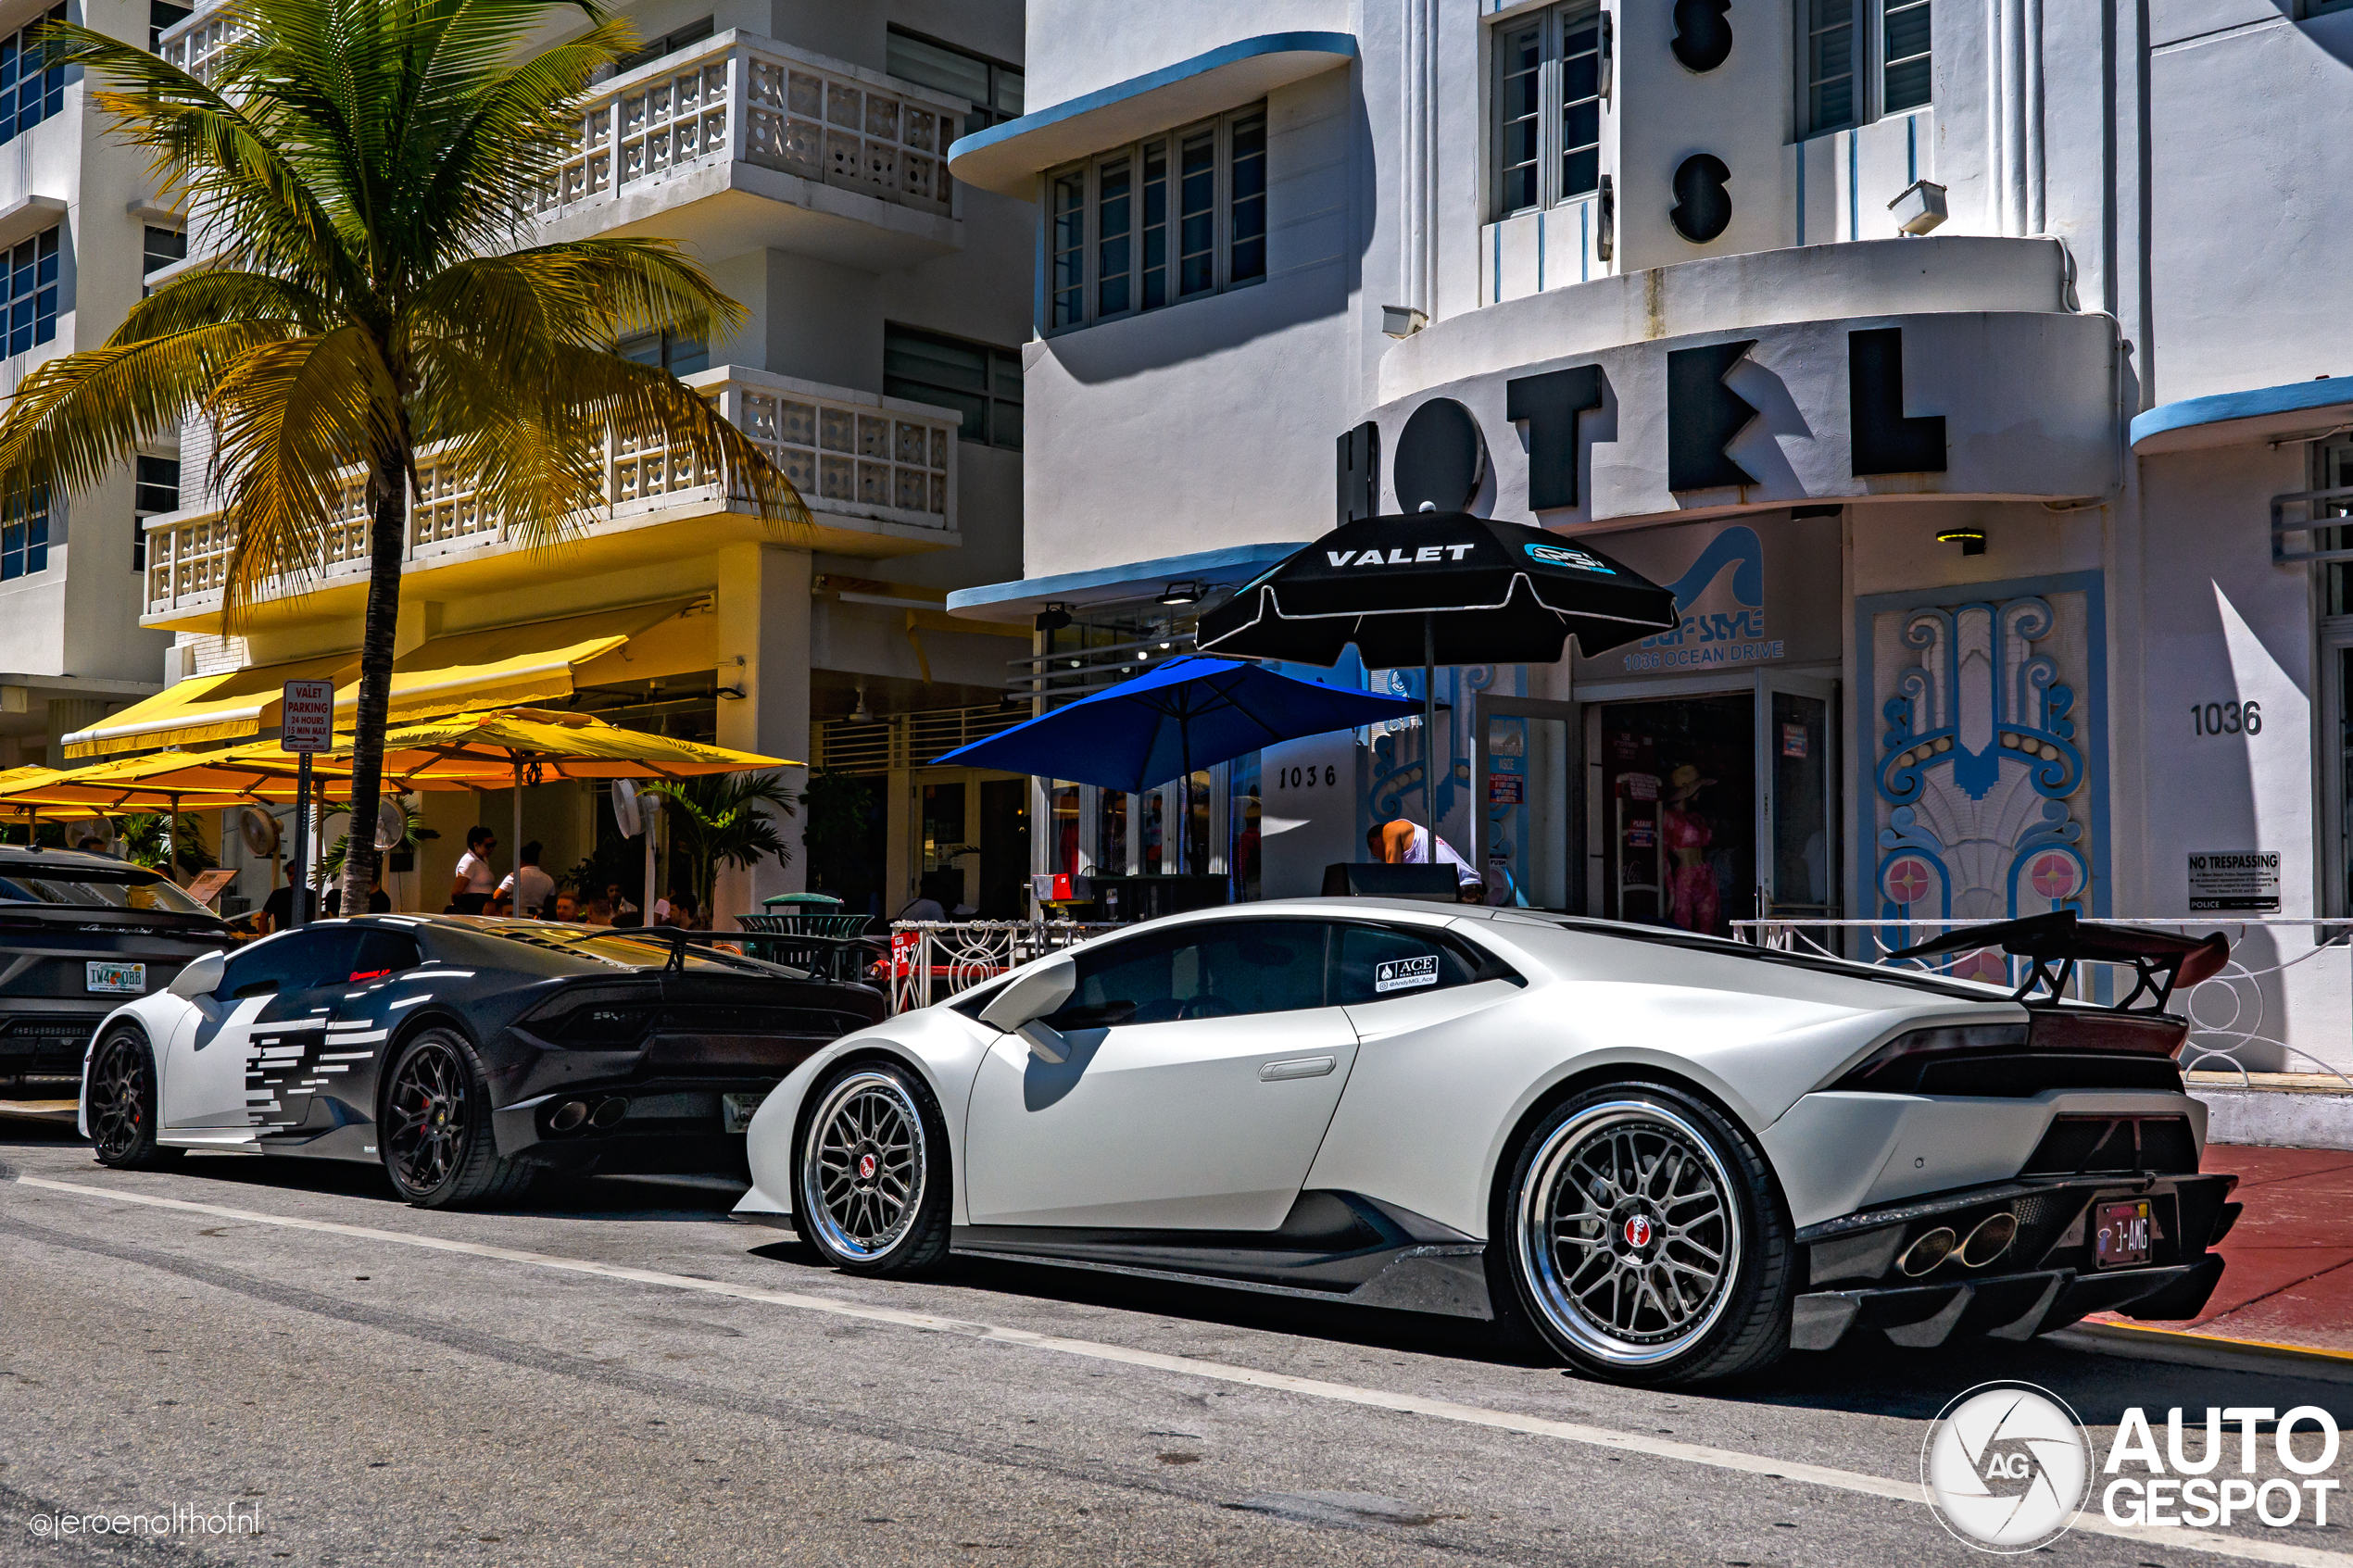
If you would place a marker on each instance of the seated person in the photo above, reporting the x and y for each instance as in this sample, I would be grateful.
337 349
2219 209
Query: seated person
568 907
1404 842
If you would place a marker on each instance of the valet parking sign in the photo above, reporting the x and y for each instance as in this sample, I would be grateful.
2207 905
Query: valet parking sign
2009 1468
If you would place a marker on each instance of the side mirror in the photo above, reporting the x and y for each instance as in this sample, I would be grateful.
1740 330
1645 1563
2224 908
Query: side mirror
200 978
1039 991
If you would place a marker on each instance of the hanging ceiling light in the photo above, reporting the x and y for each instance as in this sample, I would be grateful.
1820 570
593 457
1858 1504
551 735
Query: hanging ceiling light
1183 593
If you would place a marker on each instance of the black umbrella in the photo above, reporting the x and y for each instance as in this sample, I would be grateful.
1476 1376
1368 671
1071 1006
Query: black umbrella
1437 589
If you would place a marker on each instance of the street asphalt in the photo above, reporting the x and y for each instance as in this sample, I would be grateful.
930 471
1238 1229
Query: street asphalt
615 1372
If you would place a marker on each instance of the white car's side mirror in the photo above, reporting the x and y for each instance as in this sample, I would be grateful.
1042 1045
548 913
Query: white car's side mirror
200 978
1038 991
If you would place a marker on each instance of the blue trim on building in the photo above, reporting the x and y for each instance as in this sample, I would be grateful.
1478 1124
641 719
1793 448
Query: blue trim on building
1340 43
2294 397
2091 715
1242 561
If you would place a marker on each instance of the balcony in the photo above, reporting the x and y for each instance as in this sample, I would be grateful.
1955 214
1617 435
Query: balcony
742 142
738 142
879 475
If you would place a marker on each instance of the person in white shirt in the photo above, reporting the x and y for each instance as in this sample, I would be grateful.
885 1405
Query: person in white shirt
1407 843
470 890
530 886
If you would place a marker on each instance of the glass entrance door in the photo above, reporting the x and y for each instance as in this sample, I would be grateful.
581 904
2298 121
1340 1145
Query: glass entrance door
1527 823
1672 809
1796 810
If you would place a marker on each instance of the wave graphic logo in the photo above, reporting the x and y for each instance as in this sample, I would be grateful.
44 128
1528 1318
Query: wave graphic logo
2007 1467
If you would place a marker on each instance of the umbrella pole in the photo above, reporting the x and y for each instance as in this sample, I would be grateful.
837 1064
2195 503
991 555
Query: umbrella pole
514 846
1430 729
172 841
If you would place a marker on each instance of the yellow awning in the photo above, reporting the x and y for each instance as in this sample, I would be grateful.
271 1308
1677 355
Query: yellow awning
506 666
206 708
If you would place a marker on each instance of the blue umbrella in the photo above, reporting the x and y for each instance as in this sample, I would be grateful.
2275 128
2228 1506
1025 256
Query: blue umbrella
1188 713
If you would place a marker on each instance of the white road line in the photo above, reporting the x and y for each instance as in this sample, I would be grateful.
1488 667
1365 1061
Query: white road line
2247 1549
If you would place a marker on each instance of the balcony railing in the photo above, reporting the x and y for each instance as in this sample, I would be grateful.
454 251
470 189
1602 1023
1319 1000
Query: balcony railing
852 456
753 100
196 43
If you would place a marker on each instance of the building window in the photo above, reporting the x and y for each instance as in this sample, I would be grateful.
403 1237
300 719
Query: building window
1548 109
28 93
679 356
161 15
32 292
164 247
1842 37
668 44
1173 218
992 87
982 382
24 538
157 491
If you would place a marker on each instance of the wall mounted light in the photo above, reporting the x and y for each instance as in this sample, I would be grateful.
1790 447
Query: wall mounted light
1971 540
1183 593
1401 321
1053 618
1919 207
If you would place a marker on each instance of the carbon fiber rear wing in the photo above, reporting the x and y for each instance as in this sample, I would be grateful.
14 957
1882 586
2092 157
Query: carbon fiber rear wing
2054 944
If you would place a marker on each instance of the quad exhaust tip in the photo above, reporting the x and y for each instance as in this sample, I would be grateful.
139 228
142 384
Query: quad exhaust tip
1927 1251
570 1114
609 1112
1986 1241
1989 1240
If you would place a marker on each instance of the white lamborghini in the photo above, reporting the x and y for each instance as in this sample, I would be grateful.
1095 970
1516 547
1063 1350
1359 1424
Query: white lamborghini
1673 1157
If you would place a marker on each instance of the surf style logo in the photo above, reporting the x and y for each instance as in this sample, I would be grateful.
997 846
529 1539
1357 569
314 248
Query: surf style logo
1723 616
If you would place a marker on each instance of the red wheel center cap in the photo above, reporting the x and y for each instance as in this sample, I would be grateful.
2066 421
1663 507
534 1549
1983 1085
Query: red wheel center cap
1638 1231
867 1166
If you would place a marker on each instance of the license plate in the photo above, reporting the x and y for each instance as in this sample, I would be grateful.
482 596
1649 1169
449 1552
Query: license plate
735 1110
116 979
2122 1234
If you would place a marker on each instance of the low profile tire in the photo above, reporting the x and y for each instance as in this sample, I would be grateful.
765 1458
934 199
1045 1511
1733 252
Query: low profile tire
122 1103
1645 1240
871 1172
434 1136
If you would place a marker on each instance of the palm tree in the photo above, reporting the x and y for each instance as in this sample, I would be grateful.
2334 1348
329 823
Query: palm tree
363 173
725 818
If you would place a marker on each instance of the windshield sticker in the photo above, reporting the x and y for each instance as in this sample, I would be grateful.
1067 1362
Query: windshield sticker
1404 974
1562 554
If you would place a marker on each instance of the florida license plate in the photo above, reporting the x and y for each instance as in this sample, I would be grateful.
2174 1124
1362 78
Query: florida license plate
2121 1234
116 979
735 1110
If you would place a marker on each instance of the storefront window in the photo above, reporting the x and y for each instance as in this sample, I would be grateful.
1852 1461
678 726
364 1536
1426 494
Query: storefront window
1198 835
1678 799
1242 816
1065 808
1111 831
1151 828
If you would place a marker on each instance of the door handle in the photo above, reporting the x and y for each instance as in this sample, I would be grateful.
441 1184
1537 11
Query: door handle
1296 1067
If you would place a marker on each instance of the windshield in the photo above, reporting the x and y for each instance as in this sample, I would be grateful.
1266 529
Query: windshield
141 891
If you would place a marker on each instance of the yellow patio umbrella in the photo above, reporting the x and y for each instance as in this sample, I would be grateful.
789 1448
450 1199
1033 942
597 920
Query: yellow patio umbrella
519 746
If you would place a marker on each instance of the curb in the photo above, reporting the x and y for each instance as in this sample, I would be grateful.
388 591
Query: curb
2207 1350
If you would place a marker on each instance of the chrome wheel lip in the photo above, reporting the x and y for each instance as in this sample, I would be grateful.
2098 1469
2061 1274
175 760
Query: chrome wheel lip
868 1215
1539 1266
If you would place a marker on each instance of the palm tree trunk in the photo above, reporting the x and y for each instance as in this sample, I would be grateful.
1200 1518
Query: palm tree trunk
387 543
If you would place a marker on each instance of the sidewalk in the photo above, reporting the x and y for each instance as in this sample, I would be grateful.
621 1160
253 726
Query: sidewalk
2288 1278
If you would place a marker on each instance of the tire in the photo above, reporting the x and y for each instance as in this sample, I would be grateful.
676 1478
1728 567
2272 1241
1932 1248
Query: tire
1646 1240
121 1088
871 1172
435 1136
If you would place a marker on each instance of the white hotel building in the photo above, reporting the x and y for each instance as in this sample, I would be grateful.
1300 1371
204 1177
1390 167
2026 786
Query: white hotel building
1992 543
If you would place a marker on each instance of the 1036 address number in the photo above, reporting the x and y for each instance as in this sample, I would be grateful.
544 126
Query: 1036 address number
2226 718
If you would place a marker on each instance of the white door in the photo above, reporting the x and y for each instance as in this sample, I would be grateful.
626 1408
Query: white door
1203 1070
274 989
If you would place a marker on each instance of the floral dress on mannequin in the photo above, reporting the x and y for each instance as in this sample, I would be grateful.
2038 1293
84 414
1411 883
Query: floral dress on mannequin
1695 902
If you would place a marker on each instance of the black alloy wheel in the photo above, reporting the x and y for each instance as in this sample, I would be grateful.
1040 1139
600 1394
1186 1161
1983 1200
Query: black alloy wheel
435 1134
122 1103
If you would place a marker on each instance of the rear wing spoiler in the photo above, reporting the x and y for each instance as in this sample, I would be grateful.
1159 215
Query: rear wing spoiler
2054 944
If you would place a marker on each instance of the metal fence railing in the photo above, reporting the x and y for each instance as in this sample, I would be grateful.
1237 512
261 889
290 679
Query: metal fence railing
2230 1016
932 960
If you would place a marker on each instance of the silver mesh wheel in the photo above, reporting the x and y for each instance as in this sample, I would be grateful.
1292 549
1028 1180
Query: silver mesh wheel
1628 1236
864 1166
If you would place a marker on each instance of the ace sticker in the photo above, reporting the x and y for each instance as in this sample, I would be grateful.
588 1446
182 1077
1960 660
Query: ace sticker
1404 974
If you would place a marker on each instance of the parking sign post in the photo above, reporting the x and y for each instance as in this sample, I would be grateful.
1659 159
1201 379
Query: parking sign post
307 725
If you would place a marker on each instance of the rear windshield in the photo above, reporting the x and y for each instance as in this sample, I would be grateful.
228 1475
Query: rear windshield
143 891
603 942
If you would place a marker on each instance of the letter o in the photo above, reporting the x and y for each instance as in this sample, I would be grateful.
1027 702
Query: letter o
2294 1502
1442 457
2317 1417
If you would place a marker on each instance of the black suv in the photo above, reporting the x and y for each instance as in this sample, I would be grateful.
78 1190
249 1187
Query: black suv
80 936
